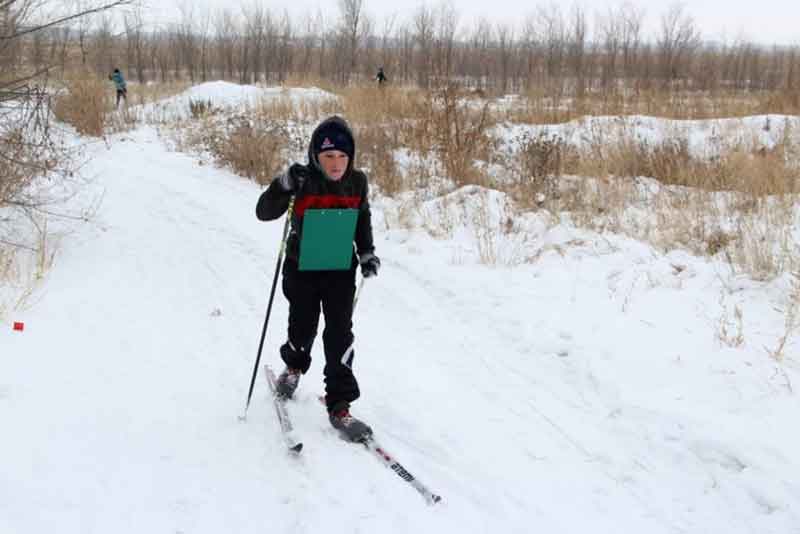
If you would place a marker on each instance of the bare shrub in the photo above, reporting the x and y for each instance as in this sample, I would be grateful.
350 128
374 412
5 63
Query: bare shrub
443 130
257 153
461 135
376 155
370 105
718 241
730 326
791 319
537 167
84 105
670 161
200 108
146 93
540 105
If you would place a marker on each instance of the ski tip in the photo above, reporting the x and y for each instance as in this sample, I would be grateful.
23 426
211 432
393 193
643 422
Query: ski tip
296 448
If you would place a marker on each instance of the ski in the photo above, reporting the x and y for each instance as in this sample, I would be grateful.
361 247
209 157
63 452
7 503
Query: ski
287 431
372 445
386 459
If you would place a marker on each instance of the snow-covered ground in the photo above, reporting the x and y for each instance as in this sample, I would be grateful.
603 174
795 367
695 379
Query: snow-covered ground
227 96
584 390
704 138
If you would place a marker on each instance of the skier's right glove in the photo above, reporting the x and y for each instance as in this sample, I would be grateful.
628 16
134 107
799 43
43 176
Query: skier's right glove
370 263
293 179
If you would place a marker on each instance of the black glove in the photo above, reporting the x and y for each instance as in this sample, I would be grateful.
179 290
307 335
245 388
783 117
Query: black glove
370 263
293 179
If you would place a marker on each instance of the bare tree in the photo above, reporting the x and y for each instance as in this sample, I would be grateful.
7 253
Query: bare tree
531 45
350 26
677 41
103 44
312 25
632 22
424 31
226 37
386 34
506 47
407 42
204 45
252 51
27 147
551 29
134 32
577 49
447 23
187 52
285 38
609 35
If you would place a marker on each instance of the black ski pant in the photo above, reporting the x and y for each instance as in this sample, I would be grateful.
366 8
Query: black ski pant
333 292
122 93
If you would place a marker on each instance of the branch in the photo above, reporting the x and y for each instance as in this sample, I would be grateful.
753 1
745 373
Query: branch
26 164
17 245
15 84
68 18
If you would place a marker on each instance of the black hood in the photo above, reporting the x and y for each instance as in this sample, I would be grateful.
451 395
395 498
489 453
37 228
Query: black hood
340 125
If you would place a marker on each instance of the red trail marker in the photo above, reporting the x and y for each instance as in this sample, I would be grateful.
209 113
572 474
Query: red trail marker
19 327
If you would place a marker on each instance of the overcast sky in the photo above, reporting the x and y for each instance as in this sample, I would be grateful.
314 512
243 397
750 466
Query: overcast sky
765 21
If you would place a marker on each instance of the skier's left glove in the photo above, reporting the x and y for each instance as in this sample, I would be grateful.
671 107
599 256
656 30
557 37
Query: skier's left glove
370 263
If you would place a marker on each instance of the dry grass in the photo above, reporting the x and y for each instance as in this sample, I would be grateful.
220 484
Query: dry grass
8 275
791 314
444 128
376 146
258 154
738 205
254 149
542 107
141 94
535 169
20 165
85 104
756 172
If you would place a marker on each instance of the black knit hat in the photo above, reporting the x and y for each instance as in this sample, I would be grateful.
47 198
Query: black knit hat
332 136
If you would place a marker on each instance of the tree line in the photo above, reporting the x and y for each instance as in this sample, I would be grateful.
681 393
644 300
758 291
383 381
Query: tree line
560 51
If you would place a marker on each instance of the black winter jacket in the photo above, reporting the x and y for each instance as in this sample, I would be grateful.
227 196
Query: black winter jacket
317 192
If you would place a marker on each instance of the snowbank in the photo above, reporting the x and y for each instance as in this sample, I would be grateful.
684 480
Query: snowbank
226 95
706 138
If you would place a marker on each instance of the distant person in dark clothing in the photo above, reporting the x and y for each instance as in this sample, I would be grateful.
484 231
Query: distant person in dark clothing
119 83
381 77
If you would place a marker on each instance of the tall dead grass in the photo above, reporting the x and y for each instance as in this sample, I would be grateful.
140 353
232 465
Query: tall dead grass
146 93
446 131
255 152
543 107
85 104
737 204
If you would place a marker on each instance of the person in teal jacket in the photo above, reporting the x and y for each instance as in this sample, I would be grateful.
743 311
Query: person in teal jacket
119 83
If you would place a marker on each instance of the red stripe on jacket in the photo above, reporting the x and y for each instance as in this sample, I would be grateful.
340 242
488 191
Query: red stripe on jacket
324 202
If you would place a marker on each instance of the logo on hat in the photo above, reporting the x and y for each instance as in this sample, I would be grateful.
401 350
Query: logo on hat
326 144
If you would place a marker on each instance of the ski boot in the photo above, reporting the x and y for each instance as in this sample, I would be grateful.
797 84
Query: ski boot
350 428
287 383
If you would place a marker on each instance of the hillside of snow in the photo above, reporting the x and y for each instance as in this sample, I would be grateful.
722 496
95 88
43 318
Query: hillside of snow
582 389
228 96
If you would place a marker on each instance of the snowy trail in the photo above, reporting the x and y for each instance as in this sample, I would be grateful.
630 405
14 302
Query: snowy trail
583 393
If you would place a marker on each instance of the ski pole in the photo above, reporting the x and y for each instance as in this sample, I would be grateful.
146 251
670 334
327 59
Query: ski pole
269 305
358 293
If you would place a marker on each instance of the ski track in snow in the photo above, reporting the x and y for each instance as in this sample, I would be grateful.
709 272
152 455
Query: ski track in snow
565 396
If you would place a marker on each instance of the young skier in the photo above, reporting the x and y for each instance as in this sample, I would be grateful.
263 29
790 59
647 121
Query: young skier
328 180
119 83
